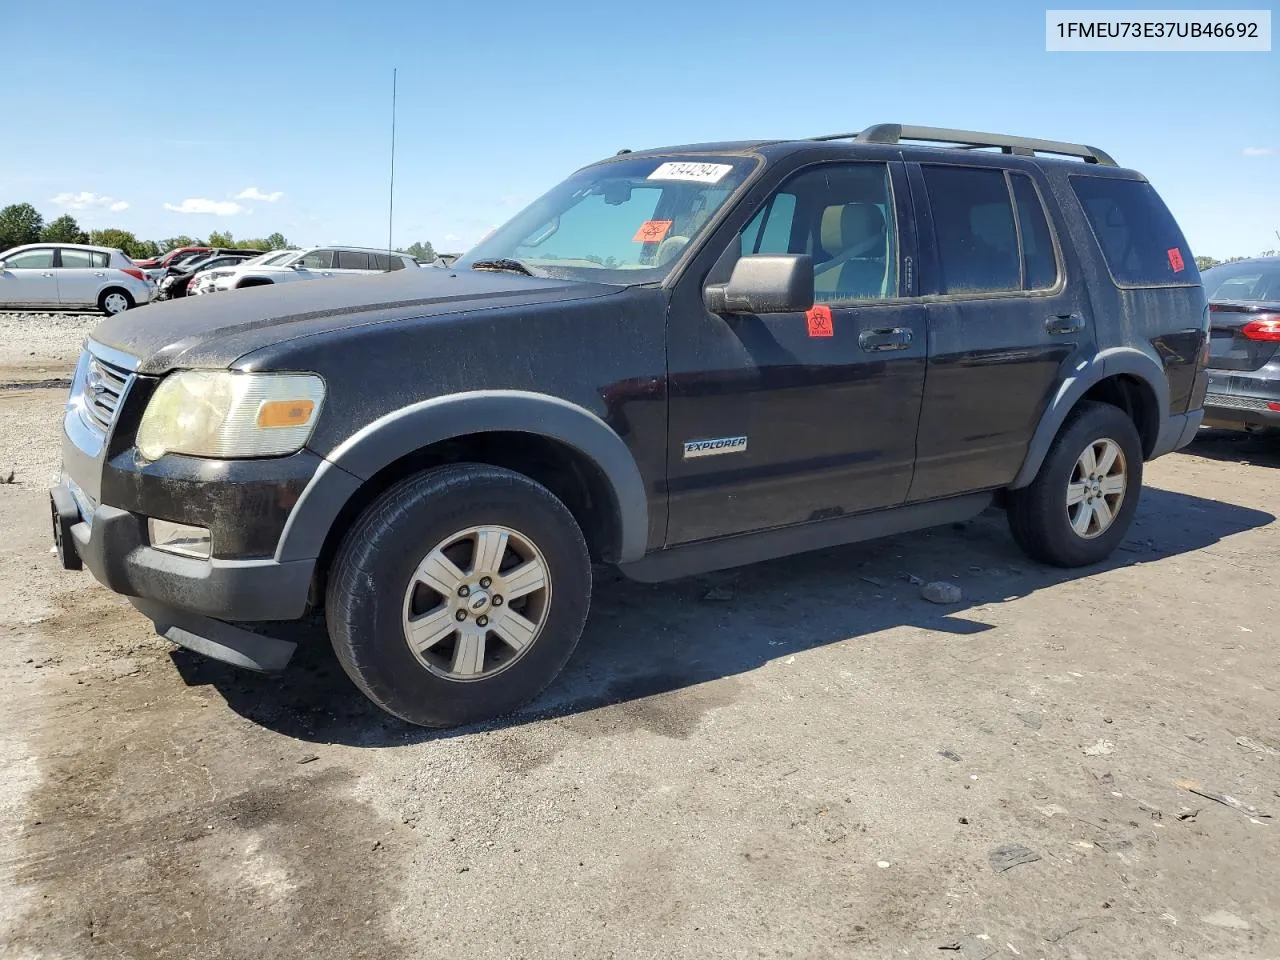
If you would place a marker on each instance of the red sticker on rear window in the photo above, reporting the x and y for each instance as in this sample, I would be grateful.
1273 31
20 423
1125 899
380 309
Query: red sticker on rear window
1175 259
651 231
819 318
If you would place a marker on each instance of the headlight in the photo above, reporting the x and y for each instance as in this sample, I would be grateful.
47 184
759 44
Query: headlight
207 413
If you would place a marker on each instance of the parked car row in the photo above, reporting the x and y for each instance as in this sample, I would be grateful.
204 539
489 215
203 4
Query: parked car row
175 279
78 276
215 270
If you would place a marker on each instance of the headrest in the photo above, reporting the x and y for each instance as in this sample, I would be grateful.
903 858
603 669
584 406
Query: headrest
847 225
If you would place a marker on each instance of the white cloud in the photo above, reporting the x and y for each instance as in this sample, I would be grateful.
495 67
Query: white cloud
221 208
1257 151
253 193
84 200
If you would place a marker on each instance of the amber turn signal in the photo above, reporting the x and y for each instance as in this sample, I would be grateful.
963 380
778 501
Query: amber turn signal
285 413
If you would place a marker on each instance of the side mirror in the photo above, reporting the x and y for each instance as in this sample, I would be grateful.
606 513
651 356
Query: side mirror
298 265
765 283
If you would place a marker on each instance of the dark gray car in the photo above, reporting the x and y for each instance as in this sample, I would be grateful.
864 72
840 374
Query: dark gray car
1244 364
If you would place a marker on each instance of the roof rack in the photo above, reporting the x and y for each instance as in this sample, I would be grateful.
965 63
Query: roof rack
971 140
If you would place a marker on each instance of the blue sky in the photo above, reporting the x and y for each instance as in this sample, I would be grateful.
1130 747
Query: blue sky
277 117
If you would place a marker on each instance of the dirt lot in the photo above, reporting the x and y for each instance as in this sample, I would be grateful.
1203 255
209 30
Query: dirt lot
817 764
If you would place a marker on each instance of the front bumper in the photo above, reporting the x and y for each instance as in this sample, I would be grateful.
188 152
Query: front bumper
113 544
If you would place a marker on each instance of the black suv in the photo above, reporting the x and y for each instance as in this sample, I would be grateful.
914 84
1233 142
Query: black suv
676 361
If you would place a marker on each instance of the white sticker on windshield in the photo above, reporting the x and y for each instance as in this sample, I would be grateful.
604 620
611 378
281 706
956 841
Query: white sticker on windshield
697 172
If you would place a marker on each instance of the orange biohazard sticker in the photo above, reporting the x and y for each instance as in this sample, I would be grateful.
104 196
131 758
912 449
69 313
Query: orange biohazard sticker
819 317
651 231
1175 259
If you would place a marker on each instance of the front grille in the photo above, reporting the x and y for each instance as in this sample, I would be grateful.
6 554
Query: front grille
103 388
1236 403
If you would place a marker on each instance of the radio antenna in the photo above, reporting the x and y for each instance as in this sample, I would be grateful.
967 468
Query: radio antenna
391 199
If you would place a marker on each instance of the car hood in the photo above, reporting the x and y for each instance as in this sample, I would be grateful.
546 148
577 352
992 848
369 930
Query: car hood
218 329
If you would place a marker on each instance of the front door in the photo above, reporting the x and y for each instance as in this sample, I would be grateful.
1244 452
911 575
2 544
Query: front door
781 419
28 279
1005 325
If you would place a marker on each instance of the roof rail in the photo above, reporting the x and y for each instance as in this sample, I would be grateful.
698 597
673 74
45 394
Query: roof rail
972 140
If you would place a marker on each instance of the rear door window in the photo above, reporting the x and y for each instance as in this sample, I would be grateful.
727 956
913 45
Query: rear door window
1039 261
99 259
1139 238
974 225
76 259
352 260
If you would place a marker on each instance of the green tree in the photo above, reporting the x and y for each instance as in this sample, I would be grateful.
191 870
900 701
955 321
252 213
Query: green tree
182 240
19 223
1204 263
423 250
64 230
219 239
276 242
124 240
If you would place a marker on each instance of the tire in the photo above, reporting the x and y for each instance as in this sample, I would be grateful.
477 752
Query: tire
113 300
372 598
1040 517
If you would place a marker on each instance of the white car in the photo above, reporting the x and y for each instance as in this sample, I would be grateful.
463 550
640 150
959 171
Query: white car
62 276
203 282
315 263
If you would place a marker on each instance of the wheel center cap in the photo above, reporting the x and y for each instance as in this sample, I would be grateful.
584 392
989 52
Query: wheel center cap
478 602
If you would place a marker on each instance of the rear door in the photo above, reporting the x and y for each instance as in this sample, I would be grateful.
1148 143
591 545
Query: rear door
28 279
786 418
79 282
1003 322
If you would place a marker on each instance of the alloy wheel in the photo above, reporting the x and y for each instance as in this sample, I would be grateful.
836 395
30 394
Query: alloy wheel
476 603
1097 488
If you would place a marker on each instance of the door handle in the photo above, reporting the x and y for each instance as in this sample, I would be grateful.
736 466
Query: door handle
99 273
1065 323
887 338
46 274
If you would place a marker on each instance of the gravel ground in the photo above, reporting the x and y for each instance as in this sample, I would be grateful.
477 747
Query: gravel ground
801 759
36 346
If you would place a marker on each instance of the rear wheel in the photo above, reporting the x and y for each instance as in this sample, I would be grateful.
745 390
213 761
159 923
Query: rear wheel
459 594
114 300
1081 503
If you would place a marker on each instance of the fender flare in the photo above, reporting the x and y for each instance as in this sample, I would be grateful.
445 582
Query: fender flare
1108 363
390 437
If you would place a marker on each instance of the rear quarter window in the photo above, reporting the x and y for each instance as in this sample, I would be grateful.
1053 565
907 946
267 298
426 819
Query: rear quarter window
1140 241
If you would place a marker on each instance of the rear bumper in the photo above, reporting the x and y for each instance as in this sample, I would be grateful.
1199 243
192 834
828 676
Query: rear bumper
113 544
1241 399
1233 416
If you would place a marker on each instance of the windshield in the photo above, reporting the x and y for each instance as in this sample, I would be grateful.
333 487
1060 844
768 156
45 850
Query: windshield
622 221
1247 280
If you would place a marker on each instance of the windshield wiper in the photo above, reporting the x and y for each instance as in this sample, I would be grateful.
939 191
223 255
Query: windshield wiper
503 263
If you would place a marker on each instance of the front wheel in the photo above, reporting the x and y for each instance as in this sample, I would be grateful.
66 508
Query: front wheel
115 301
459 594
1081 503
